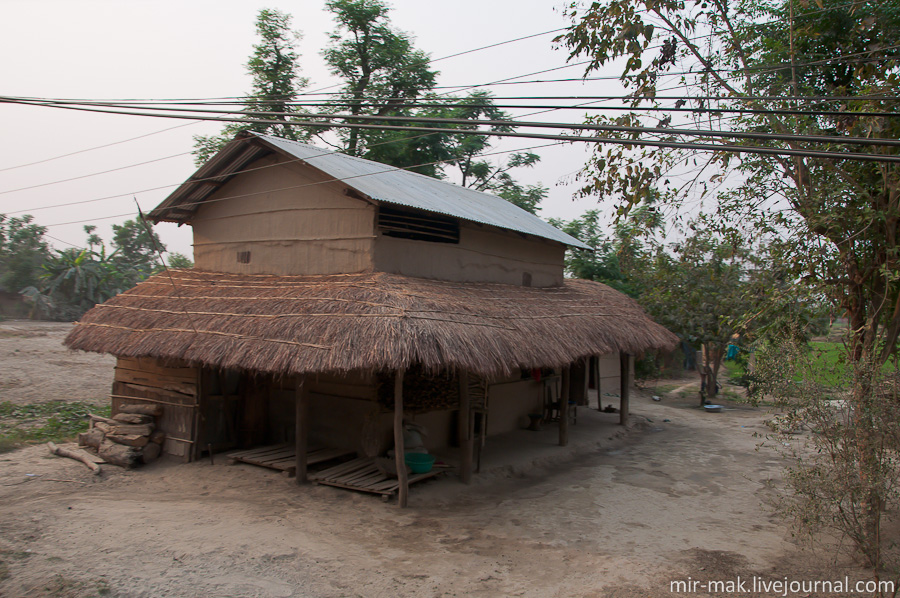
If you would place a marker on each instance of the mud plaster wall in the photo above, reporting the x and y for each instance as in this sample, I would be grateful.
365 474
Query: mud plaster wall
289 222
483 255
510 402
344 413
609 389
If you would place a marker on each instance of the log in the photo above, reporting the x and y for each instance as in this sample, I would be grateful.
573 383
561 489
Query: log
142 409
134 440
133 418
158 437
120 428
76 454
92 438
119 454
99 418
150 453
399 452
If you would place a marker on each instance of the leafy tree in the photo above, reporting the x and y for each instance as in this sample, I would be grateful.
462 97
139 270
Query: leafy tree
783 68
179 260
382 75
75 279
137 249
276 84
380 67
614 260
22 251
603 263
700 291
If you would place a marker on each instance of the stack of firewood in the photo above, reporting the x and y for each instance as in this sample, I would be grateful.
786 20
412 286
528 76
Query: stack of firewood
129 438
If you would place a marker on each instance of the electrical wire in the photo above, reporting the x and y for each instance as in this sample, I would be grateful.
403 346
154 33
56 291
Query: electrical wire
97 147
85 176
884 142
312 184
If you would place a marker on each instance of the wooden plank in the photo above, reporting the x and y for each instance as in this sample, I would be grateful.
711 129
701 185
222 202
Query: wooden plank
301 422
624 386
154 380
358 475
146 364
348 487
565 395
467 435
158 395
339 469
400 453
259 451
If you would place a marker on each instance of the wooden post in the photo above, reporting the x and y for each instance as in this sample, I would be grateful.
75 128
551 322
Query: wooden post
586 401
564 406
624 386
399 449
467 437
301 422
596 361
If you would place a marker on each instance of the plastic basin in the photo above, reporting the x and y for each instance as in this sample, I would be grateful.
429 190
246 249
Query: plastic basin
419 462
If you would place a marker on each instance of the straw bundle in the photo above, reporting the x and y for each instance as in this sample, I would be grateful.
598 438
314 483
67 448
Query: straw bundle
369 321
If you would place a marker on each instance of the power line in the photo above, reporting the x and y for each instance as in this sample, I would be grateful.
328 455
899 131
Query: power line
85 176
842 140
312 184
431 104
90 149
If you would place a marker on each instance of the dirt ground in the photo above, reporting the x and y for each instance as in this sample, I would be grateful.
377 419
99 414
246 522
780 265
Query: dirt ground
683 493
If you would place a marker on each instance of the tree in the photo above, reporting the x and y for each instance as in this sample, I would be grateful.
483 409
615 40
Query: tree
783 68
276 83
602 264
75 279
700 290
179 260
383 75
137 249
380 68
616 259
22 251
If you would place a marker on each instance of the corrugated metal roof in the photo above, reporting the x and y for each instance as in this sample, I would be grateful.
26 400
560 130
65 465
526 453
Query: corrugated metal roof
375 180
402 187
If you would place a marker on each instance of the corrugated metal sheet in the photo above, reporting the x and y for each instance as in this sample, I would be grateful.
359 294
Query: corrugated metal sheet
377 181
402 187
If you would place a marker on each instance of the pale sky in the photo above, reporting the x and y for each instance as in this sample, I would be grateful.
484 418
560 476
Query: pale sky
104 49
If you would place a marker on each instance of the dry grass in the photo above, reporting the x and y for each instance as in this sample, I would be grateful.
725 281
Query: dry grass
369 321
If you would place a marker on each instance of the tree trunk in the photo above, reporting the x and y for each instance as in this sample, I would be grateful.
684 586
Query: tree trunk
119 454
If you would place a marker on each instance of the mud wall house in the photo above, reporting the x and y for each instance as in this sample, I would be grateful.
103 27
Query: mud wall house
326 286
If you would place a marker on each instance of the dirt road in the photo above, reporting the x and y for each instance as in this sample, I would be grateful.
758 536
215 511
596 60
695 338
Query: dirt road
671 499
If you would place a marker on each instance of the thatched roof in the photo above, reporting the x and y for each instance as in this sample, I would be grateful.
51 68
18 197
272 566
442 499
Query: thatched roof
368 321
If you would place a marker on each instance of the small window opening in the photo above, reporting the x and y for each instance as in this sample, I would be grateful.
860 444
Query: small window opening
419 226
243 257
526 279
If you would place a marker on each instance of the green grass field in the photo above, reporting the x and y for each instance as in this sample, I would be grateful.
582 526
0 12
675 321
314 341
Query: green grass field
828 359
42 422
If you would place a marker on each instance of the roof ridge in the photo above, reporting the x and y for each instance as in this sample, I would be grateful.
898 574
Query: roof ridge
360 159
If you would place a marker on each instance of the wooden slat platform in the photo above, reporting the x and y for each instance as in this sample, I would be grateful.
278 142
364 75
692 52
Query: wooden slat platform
362 474
283 457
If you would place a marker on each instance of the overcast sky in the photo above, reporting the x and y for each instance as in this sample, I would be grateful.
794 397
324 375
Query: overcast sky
198 49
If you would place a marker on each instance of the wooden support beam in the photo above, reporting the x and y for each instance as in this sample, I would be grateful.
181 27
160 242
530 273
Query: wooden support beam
586 394
624 386
302 429
564 397
399 449
598 384
467 436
